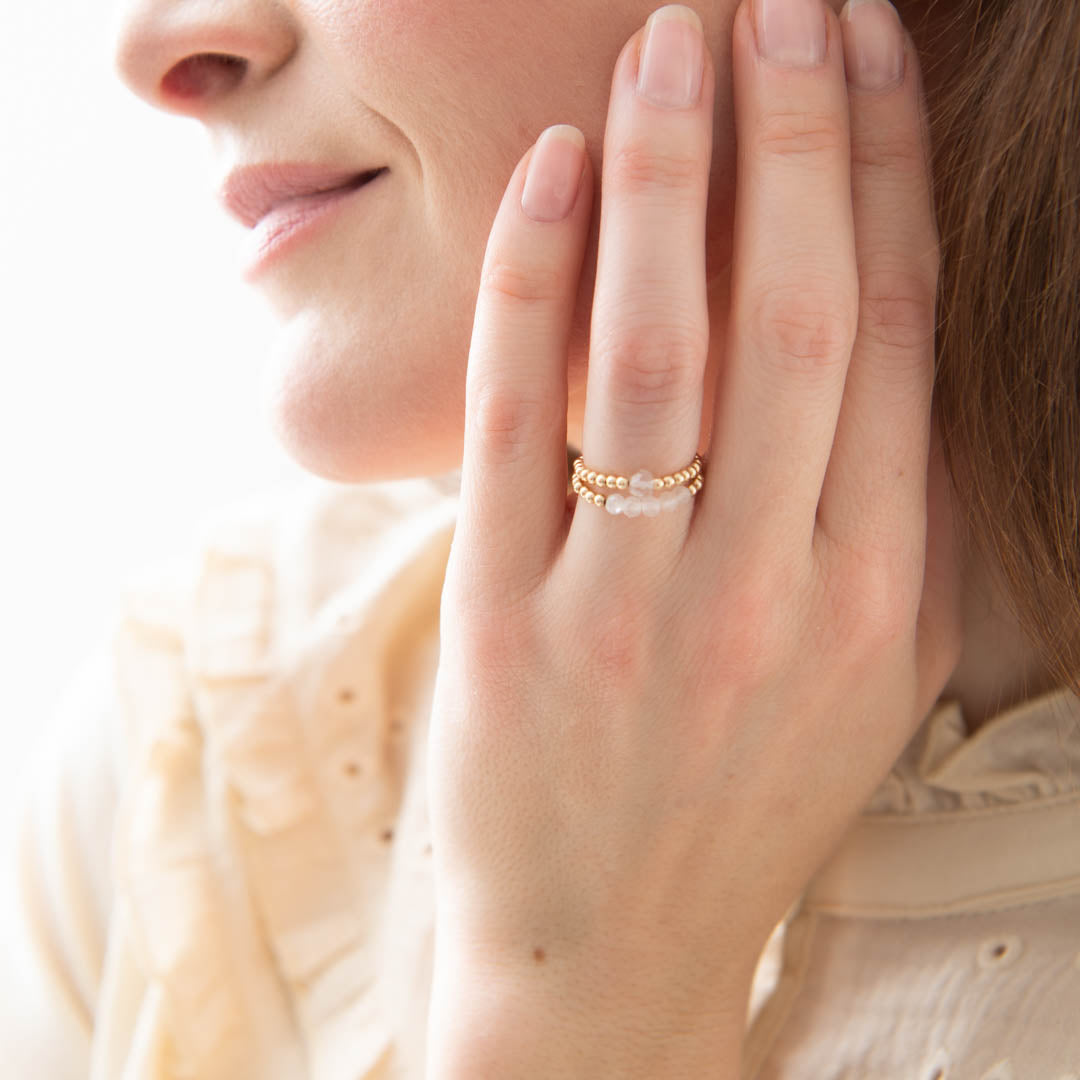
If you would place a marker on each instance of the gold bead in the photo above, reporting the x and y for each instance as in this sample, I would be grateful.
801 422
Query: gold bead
623 483
658 483
612 481
669 481
600 500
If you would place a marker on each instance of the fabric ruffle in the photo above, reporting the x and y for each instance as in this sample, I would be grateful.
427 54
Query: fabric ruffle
1030 751
271 725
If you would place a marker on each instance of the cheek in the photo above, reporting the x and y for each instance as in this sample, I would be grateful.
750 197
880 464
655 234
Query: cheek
392 39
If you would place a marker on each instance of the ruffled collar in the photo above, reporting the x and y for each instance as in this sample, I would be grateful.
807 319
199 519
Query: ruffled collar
1028 751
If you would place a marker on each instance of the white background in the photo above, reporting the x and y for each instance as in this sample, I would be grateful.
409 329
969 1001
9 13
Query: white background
130 353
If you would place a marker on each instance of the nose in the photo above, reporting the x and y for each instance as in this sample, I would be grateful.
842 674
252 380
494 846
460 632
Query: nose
186 56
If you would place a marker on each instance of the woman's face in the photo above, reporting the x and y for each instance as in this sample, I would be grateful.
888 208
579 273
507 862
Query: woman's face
377 305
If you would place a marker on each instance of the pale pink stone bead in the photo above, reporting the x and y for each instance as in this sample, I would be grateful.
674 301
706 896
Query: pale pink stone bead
632 507
614 504
641 483
667 499
650 507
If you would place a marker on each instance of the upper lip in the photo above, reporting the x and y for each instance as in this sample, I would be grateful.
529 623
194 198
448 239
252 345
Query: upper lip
252 191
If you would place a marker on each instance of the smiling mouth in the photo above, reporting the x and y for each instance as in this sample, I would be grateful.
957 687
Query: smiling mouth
357 182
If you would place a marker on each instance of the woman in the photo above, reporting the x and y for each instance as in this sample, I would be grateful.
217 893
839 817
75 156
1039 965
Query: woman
780 784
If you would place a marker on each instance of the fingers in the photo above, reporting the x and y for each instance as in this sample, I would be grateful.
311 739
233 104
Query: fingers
794 292
875 494
650 321
513 479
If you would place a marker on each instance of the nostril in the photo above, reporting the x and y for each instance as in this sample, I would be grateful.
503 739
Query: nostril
204 75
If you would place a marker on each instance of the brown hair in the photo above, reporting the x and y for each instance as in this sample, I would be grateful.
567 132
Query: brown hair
1005 130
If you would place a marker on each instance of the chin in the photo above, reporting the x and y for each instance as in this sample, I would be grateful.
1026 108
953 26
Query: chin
319 409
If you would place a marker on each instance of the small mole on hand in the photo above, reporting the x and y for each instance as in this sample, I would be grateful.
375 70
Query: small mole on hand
345 696
388 835
538 955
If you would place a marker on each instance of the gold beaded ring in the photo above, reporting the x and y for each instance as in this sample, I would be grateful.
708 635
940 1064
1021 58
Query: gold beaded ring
676 489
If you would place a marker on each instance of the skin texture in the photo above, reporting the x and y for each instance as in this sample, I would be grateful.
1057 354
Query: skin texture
368 380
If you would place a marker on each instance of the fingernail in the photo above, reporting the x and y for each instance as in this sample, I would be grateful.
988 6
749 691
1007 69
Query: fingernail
873 44
790 32
672 58
554 176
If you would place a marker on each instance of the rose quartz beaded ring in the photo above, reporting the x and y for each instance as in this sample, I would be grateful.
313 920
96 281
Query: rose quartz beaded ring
674 490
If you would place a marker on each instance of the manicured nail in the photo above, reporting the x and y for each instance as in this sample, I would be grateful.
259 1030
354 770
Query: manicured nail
873 44
672 58
790 32
554 176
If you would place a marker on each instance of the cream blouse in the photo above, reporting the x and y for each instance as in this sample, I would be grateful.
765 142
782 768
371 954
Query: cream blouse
222 866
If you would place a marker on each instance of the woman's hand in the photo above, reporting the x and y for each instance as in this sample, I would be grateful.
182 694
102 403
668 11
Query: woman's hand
648 734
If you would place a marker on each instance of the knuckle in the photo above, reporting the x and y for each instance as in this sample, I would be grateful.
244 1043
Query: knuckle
895 154
800 135
639 167
615 650
493 634
801 329
651 368
897 309
505 422
509 282
874 604
750 638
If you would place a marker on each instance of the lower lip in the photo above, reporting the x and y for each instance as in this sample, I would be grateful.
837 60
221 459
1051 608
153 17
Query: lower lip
290 224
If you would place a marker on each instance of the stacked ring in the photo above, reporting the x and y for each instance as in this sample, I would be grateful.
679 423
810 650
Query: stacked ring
675 489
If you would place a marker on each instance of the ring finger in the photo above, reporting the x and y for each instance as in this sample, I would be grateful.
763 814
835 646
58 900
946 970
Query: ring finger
650 322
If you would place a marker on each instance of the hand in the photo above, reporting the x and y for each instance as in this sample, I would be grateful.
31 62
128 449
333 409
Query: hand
648 734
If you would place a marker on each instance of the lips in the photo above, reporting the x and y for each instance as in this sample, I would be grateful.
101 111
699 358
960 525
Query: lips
298 220
252 191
